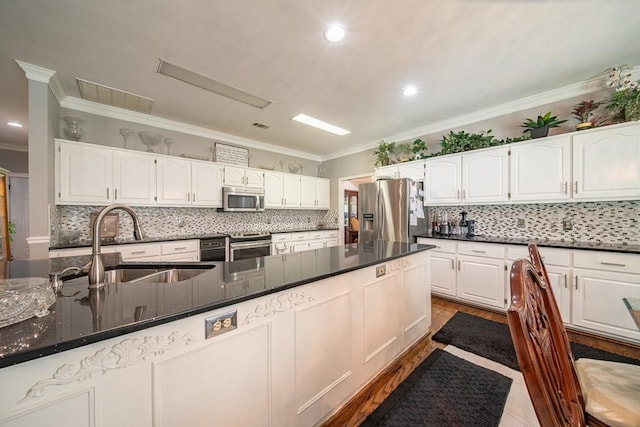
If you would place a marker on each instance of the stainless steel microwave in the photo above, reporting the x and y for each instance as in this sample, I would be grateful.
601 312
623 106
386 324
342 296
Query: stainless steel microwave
239 199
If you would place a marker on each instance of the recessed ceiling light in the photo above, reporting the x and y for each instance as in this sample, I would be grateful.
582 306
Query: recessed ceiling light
410 91
334 33
15 124
307 120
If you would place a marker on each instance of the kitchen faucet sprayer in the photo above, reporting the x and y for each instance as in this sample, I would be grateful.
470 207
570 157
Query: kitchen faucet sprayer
96 271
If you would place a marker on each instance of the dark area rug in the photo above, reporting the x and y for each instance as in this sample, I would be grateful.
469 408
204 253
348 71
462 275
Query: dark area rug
444 390
492 340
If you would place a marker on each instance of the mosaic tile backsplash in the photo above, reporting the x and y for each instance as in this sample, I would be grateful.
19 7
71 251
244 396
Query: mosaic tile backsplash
72 223
604 222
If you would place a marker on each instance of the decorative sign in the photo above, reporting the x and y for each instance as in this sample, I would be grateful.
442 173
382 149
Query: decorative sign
231 155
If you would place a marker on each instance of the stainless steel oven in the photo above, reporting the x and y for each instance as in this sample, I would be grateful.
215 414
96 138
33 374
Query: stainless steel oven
248 245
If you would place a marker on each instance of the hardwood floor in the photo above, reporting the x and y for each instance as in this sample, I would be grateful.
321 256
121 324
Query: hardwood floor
354 412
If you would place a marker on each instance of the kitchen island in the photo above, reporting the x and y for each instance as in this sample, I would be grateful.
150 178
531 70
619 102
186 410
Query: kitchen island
279 340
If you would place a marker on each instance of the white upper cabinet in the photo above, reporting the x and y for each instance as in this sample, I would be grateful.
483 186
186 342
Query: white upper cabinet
606 164
206 184
236 176
443 180
485 176
314 192
541 170
274 189
281 190
413 170
473 178
84 174
291 191
134 177
174 181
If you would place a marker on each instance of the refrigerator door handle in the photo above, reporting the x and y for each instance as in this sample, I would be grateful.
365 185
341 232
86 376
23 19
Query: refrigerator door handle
380 217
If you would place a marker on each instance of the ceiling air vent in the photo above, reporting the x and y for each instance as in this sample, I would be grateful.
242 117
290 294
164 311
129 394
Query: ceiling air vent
206 83
114 97
260 125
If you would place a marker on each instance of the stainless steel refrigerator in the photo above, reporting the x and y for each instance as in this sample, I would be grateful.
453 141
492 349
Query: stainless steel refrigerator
391 210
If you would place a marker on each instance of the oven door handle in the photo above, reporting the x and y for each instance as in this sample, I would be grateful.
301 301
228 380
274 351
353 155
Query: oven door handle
245 245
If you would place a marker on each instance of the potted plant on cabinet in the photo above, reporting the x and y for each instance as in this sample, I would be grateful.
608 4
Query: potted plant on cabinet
540 127
584 112
403 152
383 153
419 149
624 104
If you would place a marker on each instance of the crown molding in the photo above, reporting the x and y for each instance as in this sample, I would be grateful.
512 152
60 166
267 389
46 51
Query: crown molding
14 147
571 91
149 120
46 76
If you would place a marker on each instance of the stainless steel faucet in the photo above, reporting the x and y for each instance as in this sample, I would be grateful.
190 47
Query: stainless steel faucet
96 271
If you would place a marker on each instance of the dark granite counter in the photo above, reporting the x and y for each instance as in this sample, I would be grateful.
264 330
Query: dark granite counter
79 316
595 246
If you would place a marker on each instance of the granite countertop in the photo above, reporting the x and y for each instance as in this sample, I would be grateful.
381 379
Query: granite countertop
79 316
568 244
83 243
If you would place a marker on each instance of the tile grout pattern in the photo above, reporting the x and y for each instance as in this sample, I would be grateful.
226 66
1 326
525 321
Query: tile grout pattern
601 222
72 223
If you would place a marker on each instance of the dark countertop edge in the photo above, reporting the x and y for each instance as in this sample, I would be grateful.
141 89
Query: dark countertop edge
88 243
588 246
138 326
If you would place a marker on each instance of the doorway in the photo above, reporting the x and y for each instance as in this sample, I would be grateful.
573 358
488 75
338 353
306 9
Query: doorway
351 225
348 192
19 214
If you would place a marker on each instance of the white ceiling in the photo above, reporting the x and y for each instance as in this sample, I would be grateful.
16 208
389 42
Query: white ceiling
463 55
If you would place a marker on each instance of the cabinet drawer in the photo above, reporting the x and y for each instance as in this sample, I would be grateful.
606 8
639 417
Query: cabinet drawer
609 261
180 246
440 245
281 237
139 251
296 237
550 256
481 249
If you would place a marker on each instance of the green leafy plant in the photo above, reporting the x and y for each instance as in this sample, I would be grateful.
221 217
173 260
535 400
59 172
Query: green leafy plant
457 142
547 120
403 151
12 231
624 104
419 149
384 152
585 110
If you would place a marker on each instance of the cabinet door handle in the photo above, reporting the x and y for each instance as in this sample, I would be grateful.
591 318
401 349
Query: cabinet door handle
107 192
458 265
464 194
478 251
565 281
181 248
457 194
575 187
194 197
452 266
566 187
188 197
576 282
614 264
138 252
115 194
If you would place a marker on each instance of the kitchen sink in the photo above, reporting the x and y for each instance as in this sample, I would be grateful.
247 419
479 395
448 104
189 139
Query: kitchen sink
154 274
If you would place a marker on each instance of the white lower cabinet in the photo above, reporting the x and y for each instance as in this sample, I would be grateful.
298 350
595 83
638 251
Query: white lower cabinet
176 250
600 282
293 359
282 243
481 280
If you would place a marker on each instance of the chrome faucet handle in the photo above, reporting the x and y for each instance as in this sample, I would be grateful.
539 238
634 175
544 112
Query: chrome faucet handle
56 282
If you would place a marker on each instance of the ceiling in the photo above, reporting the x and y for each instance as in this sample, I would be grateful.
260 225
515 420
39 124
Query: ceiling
464 56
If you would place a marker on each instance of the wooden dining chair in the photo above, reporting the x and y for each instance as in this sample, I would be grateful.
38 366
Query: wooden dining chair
564 393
